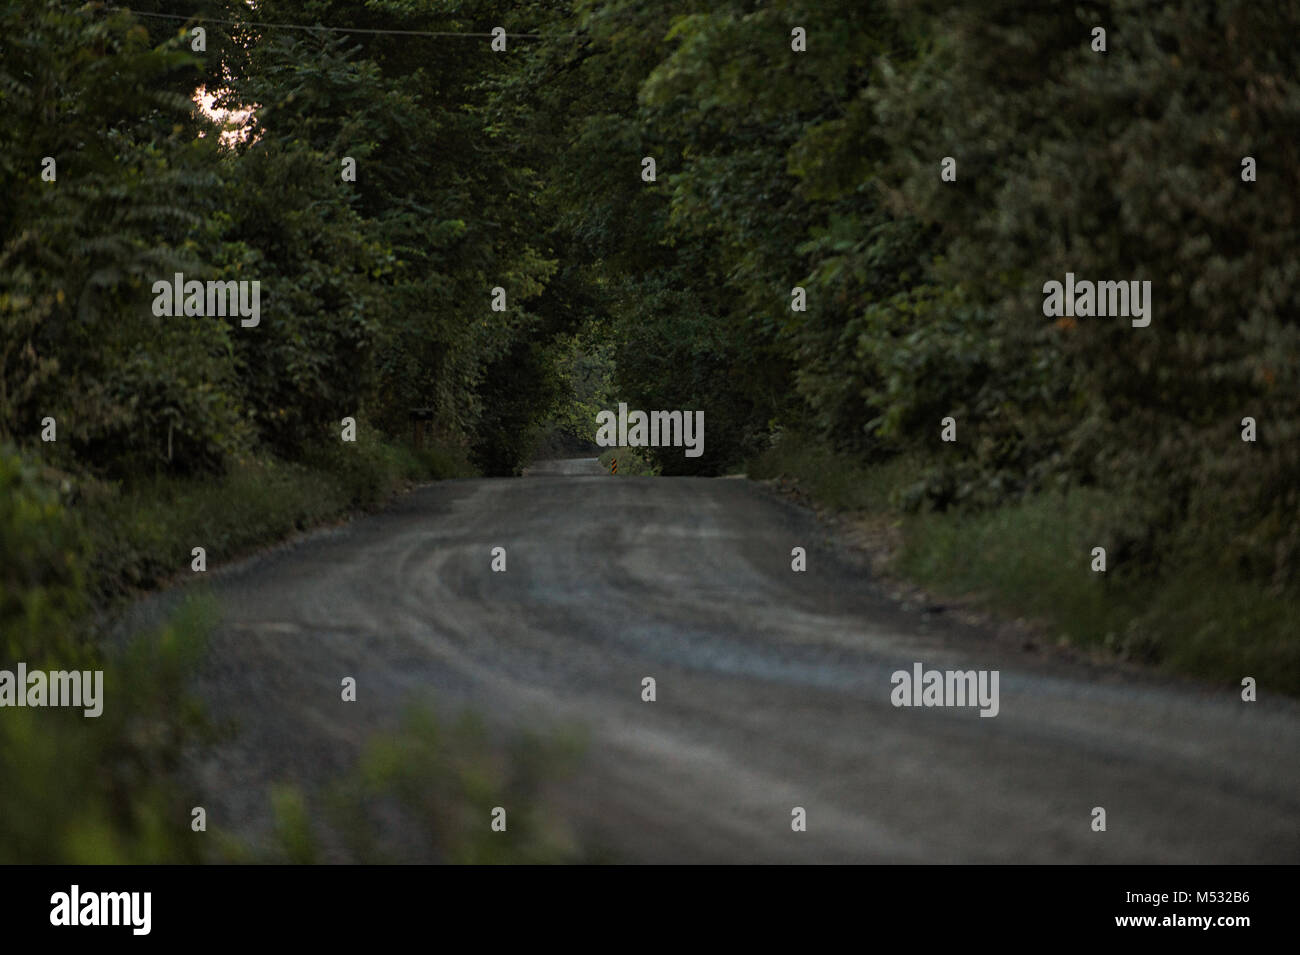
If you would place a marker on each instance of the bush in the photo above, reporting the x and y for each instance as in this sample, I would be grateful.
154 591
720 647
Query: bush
42 564
83 789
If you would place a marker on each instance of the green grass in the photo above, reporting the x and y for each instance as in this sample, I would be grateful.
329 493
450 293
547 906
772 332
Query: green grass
143 533
1033 559
834 480
1222 628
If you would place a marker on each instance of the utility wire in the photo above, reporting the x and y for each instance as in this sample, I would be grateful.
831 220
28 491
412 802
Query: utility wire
323 29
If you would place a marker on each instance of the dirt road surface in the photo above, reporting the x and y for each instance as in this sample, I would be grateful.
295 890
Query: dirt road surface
773 687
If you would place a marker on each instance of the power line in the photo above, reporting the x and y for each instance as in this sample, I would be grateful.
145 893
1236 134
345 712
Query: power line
324 29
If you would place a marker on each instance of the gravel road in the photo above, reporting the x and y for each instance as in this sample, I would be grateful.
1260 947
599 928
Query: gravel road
773 687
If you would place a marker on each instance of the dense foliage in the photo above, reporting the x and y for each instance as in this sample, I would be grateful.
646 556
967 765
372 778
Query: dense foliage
776 168
375 293
822 169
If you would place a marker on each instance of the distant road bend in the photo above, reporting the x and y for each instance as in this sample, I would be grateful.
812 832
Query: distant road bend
773 687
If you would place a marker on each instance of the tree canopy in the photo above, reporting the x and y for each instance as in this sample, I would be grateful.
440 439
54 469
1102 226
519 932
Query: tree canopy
796 144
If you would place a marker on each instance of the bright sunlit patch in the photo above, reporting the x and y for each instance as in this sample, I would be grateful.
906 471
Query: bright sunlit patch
236 124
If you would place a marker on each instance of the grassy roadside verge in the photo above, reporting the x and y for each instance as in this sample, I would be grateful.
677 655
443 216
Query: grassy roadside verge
1032 559
144 533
